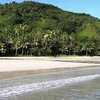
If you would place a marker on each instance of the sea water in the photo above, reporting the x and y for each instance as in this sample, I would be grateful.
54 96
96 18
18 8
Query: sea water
80 84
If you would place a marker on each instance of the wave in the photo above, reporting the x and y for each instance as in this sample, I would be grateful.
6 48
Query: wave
16 90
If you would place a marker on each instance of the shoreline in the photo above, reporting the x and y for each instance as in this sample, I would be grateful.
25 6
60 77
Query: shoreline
22 66
16 74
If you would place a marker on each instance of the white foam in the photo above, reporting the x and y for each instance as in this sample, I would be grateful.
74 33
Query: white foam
16 90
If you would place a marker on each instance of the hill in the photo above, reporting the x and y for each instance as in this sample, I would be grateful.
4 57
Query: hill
31 28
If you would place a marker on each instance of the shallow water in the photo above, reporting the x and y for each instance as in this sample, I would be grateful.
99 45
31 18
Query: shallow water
78 84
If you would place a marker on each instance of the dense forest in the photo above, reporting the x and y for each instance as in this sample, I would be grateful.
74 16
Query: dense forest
31 28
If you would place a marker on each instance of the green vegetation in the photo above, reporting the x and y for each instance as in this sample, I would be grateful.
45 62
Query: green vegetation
31 28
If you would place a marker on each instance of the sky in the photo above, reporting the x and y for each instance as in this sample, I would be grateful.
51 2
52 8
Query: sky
91 7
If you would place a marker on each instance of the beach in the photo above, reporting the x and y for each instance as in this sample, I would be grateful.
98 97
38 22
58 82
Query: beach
21 66
49 78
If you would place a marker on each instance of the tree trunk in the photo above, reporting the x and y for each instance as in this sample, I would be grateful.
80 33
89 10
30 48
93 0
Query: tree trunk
69 50
74 52
86 52
16 52
22 51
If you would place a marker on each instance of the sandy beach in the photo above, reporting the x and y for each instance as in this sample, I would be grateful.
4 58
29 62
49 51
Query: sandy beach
17 66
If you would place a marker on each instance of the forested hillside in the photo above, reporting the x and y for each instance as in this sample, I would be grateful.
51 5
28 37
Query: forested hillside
31 28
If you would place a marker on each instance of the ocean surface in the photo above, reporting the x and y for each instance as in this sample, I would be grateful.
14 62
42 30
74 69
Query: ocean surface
79 84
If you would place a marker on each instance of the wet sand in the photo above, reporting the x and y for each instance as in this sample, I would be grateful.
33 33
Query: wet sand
80 84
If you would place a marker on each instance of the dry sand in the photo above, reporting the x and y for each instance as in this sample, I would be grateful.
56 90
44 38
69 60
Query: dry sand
17 66
23 64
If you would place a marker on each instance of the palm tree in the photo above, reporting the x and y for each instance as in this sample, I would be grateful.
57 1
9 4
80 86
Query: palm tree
20 41
64 39
71 42
17 39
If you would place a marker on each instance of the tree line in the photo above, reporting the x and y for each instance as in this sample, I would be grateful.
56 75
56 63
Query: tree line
31 28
